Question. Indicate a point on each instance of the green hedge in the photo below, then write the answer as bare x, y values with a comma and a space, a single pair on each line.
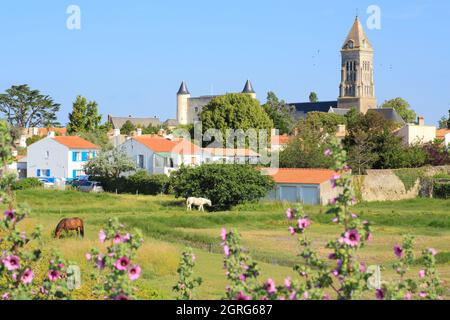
141, 182
442, 190
28, 183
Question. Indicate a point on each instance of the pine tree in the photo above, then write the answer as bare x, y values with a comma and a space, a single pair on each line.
77, 119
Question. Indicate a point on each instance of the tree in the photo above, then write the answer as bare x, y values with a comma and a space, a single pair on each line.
5, 145
444, 123
313, 97
361, 155
84, 116
25, 108
281, 114
127, 128
403, 108
328, 122
226, 185
109, 165
235, 111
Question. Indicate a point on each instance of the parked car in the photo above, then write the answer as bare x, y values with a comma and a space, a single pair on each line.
90, 186
47, 183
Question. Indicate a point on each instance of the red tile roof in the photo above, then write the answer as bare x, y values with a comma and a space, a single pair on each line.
303, 176
282, 140
74, 142
44, 131
441, 133
178, 146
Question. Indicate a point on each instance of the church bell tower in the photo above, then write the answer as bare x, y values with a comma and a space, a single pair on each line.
357, 87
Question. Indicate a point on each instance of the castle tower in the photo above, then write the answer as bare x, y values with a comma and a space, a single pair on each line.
357, 87
248, 89
183, 96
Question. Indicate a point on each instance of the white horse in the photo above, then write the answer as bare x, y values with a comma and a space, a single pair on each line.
198, 202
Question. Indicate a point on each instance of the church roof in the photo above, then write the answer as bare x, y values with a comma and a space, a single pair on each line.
248, 87
358, 37
389, 114
183, 89
303, 108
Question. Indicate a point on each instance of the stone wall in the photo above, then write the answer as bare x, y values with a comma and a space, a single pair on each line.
386, 185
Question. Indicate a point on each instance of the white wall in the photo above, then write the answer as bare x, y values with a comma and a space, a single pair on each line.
447, 140
57, 160
412, 134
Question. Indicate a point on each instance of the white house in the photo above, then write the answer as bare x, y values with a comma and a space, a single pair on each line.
444, 135
413, 133
59, 157
222, 155
159, 155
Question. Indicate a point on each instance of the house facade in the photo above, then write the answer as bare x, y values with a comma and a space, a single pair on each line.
59, 157
158, 155
417, 133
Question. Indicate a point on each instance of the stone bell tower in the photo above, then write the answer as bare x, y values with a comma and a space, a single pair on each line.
357, 87
183, 96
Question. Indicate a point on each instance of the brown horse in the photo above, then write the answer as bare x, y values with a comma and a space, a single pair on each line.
75, 224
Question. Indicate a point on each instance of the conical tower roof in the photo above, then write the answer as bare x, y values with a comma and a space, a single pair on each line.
183, 89
357, 38
248, 87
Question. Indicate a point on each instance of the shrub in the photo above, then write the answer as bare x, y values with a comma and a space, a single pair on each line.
226, 185
147, 184
442, 190
26, 184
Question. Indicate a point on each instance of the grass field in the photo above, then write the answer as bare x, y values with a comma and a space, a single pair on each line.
168, 229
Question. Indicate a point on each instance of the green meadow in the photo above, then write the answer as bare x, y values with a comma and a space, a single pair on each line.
168, 229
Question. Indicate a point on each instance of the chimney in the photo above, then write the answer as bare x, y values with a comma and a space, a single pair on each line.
116, 132
421, 121
139, 132
51, 134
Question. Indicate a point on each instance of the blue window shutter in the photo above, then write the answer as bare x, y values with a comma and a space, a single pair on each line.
39, 172
48, 173
74, 156
74, 174
84, 156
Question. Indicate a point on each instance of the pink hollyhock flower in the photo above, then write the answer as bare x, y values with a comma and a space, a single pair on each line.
61, 265
362, 268
333, 201
100, 262
223, 234
335, 220
369, 237
27, 276
118, 238
226, 250
304, 223
289, 214
334, 180
121, 297
433, 251
270, 286
291, 231
194, 258
306, 295
102, 236
293, 296
423, 294
242, 277
408, 296
242, 297
126, 237
398, 251
326, 297
14, 276
422, 274
54, 275
351, 238
288, 283
379, 294
5, 296
335, 273
10, 215
88, 257
328, 153
12, 263
122, 264
134, 273
354, 216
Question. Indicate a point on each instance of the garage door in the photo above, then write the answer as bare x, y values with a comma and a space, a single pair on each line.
310, 195
289, 194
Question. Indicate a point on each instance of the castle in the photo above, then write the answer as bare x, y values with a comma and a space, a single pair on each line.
189, 108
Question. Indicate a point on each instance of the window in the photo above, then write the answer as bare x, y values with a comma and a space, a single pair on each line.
47, 155
78, 173
140, 161
76, 156
351, 45
159, 162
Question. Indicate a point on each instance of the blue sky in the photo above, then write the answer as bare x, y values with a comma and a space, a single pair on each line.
130, 56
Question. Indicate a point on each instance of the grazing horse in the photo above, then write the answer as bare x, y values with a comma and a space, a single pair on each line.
198, 202
75, 224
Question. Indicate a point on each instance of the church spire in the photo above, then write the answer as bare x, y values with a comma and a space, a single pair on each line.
248, 87
357, 38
